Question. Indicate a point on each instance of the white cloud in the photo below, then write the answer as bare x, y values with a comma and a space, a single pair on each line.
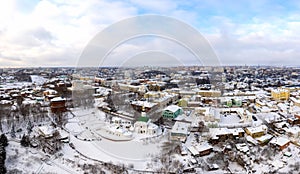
6, 13
53, 30
150, 50
156, 6
269, 43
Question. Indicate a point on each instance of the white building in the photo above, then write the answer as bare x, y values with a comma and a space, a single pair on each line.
180, 130
144, 126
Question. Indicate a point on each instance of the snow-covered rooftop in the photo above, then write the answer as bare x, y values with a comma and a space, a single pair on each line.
181, 127
143, 103
280, 141
242, 147
47, 131
172, 108
264, 138
203, 147
56, 99
261, 128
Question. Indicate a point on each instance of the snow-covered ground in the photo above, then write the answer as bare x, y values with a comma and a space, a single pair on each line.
88, 142
32, 160
229, 119
23, 159
126, 153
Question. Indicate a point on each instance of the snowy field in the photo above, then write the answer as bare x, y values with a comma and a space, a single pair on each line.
22, 160
230, 119
137, 152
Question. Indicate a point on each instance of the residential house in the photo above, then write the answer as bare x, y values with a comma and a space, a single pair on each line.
293, 132
220, 134
256, 131
180, 131
280, 142
204, 149
263, 140
183, 102
193, 151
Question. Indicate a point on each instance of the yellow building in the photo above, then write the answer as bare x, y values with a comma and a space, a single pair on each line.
209, 93
280, 94
256, 132
154, 94
183, 102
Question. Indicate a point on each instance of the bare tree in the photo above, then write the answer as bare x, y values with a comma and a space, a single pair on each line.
35, 111
13, 132
4, 114
25, 110
171, 147
60, 117
1, 116
201, 126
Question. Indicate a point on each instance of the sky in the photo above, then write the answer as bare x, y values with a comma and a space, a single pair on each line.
48, 33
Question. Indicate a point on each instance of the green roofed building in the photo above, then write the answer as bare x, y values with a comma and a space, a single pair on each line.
172, 111
143, 119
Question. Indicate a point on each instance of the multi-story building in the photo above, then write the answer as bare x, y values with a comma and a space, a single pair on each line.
256, 131
172, 111
58, 104
209, 93
280, 94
